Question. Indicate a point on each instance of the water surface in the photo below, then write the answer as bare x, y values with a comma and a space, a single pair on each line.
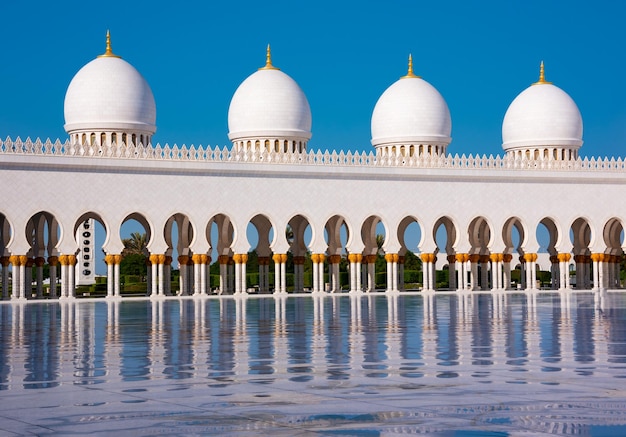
436, 364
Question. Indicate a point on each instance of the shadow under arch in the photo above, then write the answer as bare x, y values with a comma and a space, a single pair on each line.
220, 234
178, 244
450, 231
43, 234
410, 267
260, 250
548, 246
6, 234
297, 231
613, 234
338, 235
373, 248
88, 256
479, 236
580, 236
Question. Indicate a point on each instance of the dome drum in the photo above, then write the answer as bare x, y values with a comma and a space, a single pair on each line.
412, 148
282, 143
101, 137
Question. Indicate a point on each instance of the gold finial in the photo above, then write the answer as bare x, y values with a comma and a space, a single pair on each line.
410, 72
268, 60
108, 53
542, 77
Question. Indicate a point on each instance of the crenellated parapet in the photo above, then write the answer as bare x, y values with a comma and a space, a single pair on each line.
317, 158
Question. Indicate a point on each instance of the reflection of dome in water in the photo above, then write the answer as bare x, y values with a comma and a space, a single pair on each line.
109, 96
411, 112
543, 118
269, 106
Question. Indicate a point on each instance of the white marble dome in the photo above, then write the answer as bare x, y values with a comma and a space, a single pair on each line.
542, 115
269, 104
109, 94
411, 111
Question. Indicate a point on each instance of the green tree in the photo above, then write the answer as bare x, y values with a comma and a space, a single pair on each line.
133, 264
136, 244
412, 261
380, 240
133, 255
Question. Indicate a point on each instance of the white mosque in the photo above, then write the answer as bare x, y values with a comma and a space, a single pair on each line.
488, 208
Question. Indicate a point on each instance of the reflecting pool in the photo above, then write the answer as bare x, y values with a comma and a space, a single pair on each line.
444, 364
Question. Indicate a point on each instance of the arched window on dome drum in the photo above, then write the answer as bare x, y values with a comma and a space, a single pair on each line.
267, 145
276, 146
257, 145
84, 141
134, 139
124, 138
103, 139
92, 139
113, 138
141, 139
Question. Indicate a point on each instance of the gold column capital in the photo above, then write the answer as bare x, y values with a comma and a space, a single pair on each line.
335, 259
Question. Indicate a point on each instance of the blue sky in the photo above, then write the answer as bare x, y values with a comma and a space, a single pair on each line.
344, 54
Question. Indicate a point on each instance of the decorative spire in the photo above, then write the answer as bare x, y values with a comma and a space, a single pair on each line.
410, 71
108, 53
268, 60
542, 77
